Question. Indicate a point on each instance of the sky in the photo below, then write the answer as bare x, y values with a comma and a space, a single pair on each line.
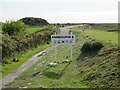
61, 11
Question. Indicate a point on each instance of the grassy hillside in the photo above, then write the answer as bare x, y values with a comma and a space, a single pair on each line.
102, 35
99, 70
31, 21
35, 39
94, 70
107, 27
40, 75
22, 57
32, 29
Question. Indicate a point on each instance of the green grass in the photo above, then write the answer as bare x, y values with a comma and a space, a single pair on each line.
22, 57
96, 70
32, 29
101, 35
51, 77
107, 27
83, 72
62, 76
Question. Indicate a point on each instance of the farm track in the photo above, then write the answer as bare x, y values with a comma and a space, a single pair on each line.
10, 77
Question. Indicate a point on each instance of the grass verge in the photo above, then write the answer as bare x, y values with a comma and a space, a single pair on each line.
102, 35
98, 70
22, 57
32, 29
84, 71
40, 75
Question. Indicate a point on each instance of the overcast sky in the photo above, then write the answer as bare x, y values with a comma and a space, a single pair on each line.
62, 11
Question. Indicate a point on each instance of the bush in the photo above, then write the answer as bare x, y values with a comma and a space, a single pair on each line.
13, 27
13, 44
91, 46
96, 46
86, 47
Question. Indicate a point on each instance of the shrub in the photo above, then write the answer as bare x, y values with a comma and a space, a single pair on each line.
91, 46
13, 27
13, 44
86, 47
96, 46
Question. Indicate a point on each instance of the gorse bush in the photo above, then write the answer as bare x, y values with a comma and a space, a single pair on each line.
13, 27
13, 44
91, 46
15, 40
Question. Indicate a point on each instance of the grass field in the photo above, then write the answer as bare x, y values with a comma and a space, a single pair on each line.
95, 69
22, 57
101, 35
107, 27
98, 34
90, 70
32, 29
64, 75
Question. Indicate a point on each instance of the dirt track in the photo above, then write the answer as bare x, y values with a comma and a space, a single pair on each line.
10, 77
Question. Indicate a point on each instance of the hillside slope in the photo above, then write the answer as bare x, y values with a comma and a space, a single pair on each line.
34, 21
108, 27
98, 70
94, 70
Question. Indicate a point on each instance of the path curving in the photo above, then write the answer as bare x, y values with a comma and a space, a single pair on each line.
10, 77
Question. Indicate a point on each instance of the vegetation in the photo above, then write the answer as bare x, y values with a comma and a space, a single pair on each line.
12, 45
0, 27
41, 75
95, 68
13, 27
22, 57
17, 43
102, 35
91, 47
32, 29
87, 70
31, 21
108, 27
0, 48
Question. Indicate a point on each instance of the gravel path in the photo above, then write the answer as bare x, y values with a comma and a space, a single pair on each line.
64, 31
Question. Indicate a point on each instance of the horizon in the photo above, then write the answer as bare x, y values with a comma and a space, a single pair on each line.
63, 22
54, 11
